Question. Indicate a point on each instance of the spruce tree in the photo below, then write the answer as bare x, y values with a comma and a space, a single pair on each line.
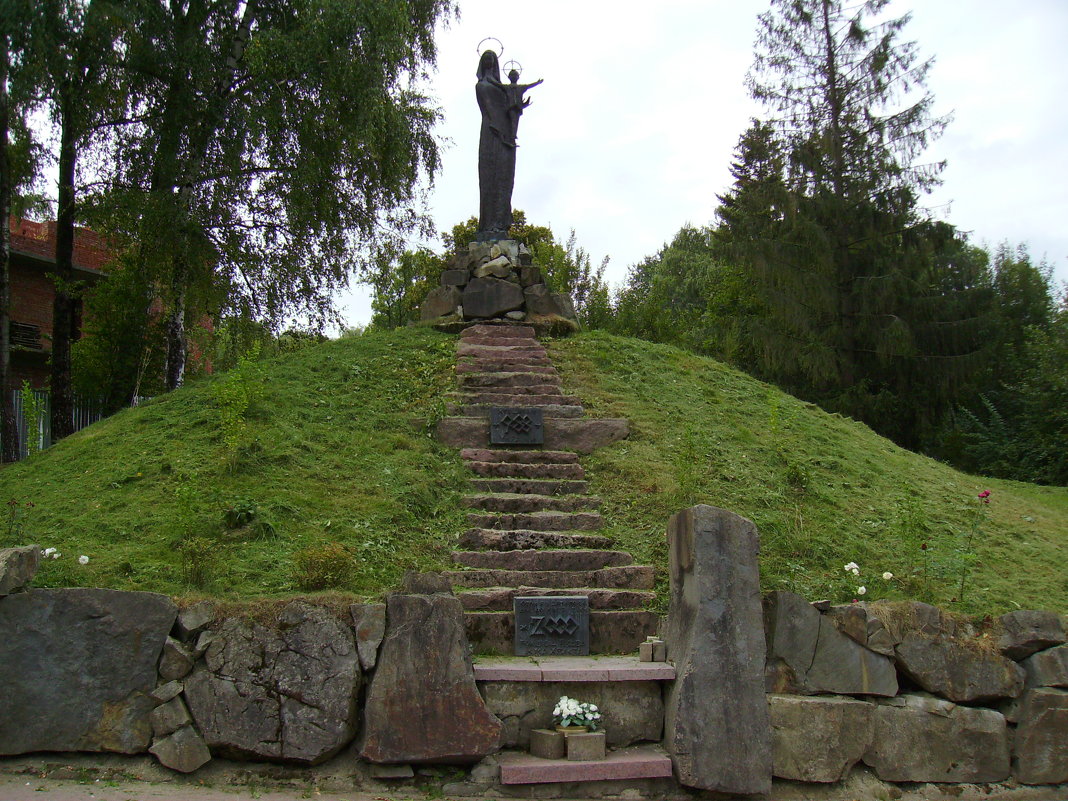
825, 214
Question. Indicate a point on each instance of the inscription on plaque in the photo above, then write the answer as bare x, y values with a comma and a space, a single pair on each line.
516, 426
557, 625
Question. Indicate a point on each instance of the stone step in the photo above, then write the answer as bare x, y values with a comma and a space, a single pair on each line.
545, 368
486, 410
499, 341
528, 457
533, 383
554, 560
538, 521
519, 539
498, 331
584, 434
525, 470
499, 599
532, 486
611, 631
532, 350
635, 762
492, 398
512, 502
628, 577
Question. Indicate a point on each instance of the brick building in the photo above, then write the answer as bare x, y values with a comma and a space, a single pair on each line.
33, 257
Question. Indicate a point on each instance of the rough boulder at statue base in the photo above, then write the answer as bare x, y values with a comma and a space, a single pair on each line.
490, 297
285, 693
715, 637
441, 302
76, 669
422, 703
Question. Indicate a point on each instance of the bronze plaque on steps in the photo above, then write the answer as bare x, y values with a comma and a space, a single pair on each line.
552, 625
516, 426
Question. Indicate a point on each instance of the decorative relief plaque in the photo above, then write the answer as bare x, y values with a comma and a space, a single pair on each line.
552, 625
516, 426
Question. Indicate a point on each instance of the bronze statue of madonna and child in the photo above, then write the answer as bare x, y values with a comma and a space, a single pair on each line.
501, 105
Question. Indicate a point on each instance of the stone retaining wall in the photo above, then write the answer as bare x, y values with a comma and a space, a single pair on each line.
911, 692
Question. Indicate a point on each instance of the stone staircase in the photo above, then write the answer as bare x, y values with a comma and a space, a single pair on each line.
532, 520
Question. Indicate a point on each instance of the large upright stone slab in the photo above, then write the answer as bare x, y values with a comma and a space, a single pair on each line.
286, 692
77, 667
422, 704
716, 724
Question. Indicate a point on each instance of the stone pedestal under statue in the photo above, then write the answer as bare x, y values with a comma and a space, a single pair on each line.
497, 281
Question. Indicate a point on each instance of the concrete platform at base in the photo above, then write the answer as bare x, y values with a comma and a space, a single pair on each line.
638, 762
571, 668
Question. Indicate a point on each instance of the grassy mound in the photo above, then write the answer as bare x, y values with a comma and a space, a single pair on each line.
315, 470
823, 490
301, 472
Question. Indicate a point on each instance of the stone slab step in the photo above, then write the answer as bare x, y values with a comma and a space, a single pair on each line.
479, 366
538, 521
628, 577
532, 382
499, 599
491, 398
498, 331
533, 486
611, 632
486, 409
584, 435
526, 470
497, 351
515, 502
519, 539
574, 559
636, 762
525, 456
570, 668
497, 342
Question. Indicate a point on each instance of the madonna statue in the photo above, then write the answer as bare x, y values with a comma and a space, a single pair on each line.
501, 105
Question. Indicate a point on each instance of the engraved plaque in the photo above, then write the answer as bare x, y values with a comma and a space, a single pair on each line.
516, 426
552, 625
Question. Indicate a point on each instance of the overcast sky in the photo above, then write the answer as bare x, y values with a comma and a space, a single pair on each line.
632, 133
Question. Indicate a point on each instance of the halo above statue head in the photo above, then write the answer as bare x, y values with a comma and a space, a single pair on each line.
513, 65
499, 50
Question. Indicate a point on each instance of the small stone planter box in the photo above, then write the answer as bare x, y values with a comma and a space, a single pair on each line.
547, 744
585, 746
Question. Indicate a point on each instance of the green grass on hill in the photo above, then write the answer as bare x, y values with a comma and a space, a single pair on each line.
331, 474
823, 490
335, 448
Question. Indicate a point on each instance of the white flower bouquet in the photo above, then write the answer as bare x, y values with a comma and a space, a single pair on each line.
569, 712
